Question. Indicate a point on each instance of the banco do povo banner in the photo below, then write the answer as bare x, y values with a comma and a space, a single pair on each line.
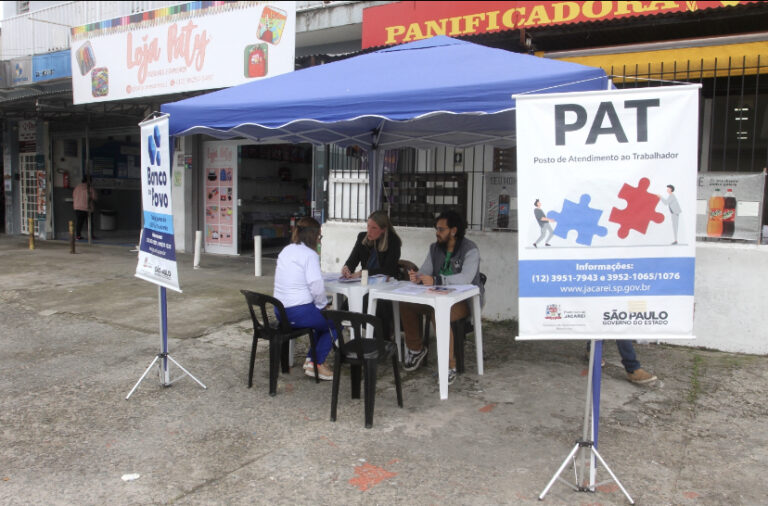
730, 206
607, 213
157, 251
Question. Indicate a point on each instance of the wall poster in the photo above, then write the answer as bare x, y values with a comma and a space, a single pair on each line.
730, 206
220, 196
500, 201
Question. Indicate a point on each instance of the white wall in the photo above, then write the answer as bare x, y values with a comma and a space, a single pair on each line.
731, 281
498, 259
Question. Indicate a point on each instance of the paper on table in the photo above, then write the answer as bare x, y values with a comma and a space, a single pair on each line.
410, 288
332, 276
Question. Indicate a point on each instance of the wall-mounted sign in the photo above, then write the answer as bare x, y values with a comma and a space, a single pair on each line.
27, 136
500, 209
729, 206
193, 46
20, 71
46, 67
399, 22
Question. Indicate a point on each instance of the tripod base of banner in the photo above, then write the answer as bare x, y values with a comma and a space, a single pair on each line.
589, 447
164, 373
586, 472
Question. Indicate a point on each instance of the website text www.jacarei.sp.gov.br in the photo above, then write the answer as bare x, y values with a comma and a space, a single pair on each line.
607, 289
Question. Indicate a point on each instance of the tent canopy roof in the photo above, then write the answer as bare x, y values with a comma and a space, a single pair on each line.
438, 91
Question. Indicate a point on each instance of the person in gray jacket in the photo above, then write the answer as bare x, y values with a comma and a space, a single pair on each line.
452, 260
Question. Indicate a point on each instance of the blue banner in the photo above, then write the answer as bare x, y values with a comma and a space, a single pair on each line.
158, 244
158, 222
608, 277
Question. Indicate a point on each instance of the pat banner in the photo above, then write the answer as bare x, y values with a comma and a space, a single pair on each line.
606, 193
157, 250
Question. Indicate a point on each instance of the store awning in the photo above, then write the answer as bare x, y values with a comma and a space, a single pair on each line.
678, 60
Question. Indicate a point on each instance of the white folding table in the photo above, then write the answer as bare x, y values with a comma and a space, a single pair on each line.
353, 290
405, 291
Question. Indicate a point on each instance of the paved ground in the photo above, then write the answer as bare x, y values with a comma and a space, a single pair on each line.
77, 331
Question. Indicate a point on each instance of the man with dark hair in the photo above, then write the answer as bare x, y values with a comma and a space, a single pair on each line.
452, 260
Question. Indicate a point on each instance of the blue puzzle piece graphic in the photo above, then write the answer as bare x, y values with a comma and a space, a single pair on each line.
579, 217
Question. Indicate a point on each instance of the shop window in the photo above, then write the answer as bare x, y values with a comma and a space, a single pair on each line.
273, 190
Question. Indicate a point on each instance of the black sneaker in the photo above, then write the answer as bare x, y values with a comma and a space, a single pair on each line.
413, 359
451, 376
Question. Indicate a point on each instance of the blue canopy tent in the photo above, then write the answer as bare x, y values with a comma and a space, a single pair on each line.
438, 91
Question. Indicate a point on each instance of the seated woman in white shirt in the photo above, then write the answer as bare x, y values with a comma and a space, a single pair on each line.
299, 286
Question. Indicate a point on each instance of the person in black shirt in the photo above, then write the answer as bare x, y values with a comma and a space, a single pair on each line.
376, 250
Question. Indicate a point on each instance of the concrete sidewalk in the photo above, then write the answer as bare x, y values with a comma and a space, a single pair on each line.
78, 330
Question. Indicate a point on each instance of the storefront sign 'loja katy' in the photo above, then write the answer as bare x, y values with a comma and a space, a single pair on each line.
183, 44
401, 22
186, 47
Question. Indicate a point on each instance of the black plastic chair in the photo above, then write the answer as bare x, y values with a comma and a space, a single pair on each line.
277, 332
363, 355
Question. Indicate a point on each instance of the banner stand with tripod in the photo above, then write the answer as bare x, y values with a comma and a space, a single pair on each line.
157, 246
163, 357
588, 442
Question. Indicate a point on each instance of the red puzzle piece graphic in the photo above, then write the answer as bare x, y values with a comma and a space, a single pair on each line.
640, 210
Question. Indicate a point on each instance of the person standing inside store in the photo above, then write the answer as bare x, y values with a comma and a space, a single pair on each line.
299, 286
452, 260
376, 250
83, 200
